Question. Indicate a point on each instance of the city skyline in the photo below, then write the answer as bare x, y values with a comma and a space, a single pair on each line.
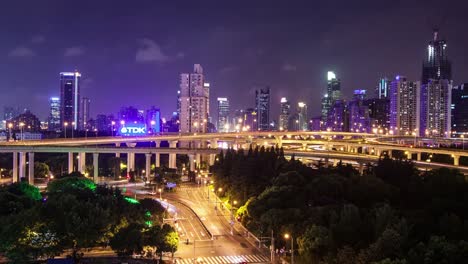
143, 67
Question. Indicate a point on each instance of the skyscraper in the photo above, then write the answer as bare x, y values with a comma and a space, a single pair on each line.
333, 94
436, 90
383, 88
262, 106
70, 99
223, 115
436, 65
302, 116
84, 109
357, 113
54, 114
194, 101
405, 97
460, 109
285, 112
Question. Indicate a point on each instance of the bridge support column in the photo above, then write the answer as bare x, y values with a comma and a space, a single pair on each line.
212, 158
335, 162
191, 162
361, 168
15, 167
418, 156
70, 162
22, 165
82, 162
130, 162
95, 167
172, 156
377, 152
279, 141
117, 154
214, 143
31, 168
147, 166
158, 155
456, 160
327, 163
304, 146
389, 153
409, 155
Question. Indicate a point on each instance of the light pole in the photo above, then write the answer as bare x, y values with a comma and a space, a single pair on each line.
21, 127
73, 128
232, 216
287, 236
463, 141
65, 125
96, 131
160, 191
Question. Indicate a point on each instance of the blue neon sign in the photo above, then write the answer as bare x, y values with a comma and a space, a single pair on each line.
133, 130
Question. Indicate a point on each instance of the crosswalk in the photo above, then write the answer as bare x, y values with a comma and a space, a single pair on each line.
226, 259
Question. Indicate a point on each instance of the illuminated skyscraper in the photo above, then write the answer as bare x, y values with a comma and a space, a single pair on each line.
405, 98
302, 116
70, 99
436, 90
84, 111
262, 106
54, 114
383, 88
285, 112
436, 65
333, 94
194, 101
223, 115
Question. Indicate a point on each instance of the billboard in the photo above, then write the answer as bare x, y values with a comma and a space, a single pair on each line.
133, 130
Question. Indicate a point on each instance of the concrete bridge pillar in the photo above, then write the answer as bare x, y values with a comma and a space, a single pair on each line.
361, 168
192, 162
327, 163
389, 153
456, 160
409, 155
214, 143
22, 165
158, 155
212, 159
82, 162
304, 146
70, 162
335, 162
279, 141
95, 167
172, 156
15, 167
147, 165
31, 168
377, 152
418, 156
130, 162
117, 154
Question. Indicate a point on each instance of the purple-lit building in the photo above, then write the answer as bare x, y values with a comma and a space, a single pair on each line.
153, 120
358, 113
404, 106
379, 112
337, 116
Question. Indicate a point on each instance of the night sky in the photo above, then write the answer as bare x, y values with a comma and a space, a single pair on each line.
132, 52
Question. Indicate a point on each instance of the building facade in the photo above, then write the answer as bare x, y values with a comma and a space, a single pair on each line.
302, 116
460, 109
405, 98
262, 106
54, 114
383, 88
285, 112
222, 123
153, 120
70, 99
333, 93
194, 101
84, 112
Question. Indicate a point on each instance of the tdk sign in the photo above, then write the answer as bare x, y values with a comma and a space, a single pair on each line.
133, 130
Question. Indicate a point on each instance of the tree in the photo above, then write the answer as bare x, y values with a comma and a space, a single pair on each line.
41, 170
315, 242
128, 240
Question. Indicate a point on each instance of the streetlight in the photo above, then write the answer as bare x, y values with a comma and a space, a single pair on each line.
21, 127
232, 216
96, 131
287, 236
160, 191
65, 125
